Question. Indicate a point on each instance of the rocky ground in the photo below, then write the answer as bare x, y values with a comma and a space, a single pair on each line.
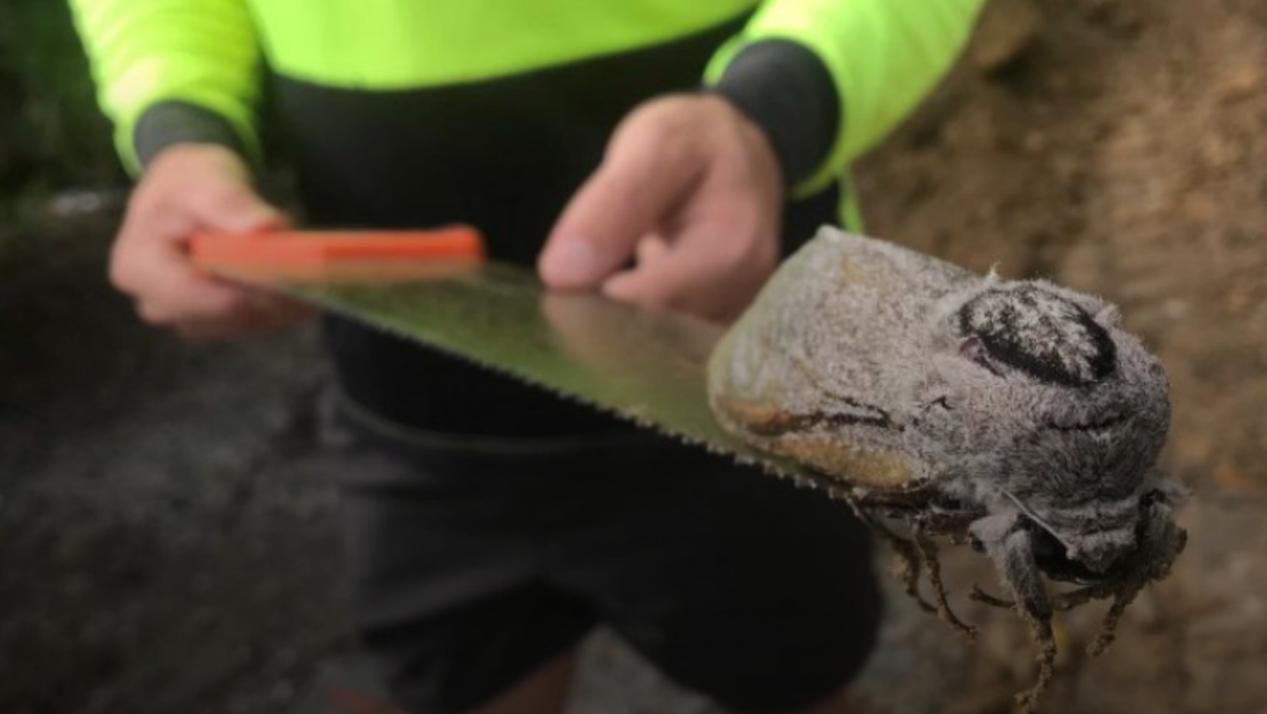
165, 525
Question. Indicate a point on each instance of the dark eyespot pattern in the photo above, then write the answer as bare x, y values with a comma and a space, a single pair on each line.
1041, 334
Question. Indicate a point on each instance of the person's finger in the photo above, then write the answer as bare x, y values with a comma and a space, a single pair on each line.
177, 293
273, 311
241, 323
234, 207
225, 327
149, 265
711, 266
652, 248
167, 286
642, 178
187, 190
203, 305
254, 312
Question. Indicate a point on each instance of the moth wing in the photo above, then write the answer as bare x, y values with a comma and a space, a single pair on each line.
844, 316
854, 462
831, 349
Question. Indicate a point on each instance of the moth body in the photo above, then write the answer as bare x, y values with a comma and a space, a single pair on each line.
1017, 415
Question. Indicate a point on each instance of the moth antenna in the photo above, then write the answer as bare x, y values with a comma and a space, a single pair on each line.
1034, 517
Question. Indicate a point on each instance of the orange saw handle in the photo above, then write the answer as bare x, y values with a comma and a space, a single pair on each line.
281, 250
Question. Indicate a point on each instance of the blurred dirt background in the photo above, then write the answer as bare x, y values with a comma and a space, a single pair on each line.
165, 524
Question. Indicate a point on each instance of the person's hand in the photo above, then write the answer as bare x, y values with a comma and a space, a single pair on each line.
692, 190
191, 187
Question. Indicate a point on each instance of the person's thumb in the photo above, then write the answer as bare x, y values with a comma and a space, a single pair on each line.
596, 234
236, 208
631, 193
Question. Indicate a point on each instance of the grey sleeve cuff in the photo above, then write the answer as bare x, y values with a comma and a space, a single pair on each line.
785, 89
173, 122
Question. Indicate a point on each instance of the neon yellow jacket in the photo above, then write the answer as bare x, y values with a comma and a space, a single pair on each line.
882, 55
406, 113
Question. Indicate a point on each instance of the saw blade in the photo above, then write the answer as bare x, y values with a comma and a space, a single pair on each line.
646, 366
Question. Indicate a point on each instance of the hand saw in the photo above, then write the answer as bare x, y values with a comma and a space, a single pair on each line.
437, 288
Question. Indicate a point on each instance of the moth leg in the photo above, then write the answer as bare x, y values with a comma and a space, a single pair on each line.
908, 557
1062, 602
928, 556
984, 597
1161, 542
1076, 598
1108, 626
951, 524
913, 499
1010, 545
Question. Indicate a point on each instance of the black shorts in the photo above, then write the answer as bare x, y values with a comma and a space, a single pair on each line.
473, 561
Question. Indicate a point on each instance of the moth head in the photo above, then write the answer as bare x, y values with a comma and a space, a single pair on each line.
1111, 540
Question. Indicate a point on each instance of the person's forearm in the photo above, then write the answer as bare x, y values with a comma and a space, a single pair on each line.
168, 123
786, 90
881, 56
172, 71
